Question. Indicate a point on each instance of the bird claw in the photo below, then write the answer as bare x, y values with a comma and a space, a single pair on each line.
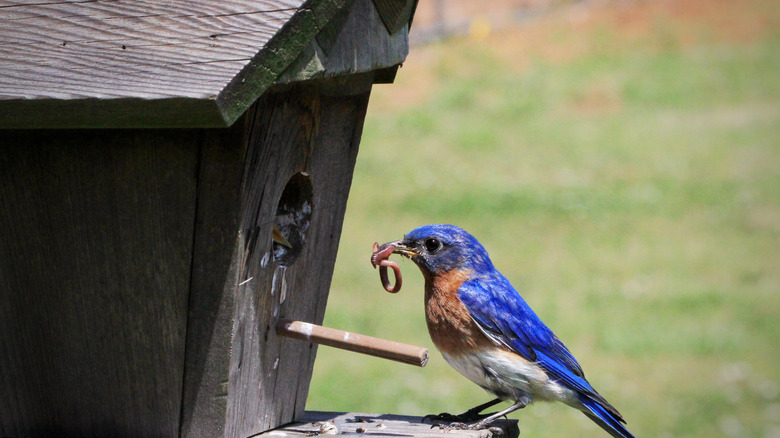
496, 431
466, 417
443, 417
446, 427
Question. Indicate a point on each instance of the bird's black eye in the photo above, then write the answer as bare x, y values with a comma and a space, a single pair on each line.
432, 244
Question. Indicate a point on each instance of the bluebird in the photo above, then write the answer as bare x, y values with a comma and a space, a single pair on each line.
486, 331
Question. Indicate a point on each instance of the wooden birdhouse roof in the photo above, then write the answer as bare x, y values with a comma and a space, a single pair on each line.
144, 63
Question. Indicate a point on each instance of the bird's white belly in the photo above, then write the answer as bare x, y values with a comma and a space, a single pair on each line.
510, 376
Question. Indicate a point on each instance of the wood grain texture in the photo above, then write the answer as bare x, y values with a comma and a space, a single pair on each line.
214, 280
314, 129
142, 63
223, 54
384, 425
395, 13
94, 278
137, 293
328, 34
140, 48
361, 45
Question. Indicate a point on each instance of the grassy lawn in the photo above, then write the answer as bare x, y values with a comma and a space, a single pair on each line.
621, 164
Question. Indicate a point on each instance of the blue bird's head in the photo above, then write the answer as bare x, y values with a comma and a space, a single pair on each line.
437, 249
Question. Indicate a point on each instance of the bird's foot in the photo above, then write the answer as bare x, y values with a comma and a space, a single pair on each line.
444, 417
467, 417
448, 426
496, 431
472, 419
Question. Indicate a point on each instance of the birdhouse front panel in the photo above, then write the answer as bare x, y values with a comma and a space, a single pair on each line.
301, 148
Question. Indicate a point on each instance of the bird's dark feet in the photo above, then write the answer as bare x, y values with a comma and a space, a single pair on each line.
442, 418
467, 417
472, 419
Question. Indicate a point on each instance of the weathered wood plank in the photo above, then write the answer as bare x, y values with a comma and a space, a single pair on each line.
379, 425
330, 31
94, 279
351, 53
111, 113
141, 49
342, 107
108, 231
217, 58
281, 138
214, 281
313, 129
395, 13
362, 45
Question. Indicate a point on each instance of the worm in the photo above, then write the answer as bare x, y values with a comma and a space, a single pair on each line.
380, 257
383, 265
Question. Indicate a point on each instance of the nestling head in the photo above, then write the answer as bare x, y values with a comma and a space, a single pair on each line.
441, 248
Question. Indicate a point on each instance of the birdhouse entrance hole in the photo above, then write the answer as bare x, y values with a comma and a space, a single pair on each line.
293, 215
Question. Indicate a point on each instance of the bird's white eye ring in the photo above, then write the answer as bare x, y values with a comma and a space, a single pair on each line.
432, 244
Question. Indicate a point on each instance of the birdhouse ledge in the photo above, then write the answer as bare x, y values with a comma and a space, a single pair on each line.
315, 423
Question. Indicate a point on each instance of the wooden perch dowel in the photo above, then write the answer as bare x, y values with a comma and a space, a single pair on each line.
383, 348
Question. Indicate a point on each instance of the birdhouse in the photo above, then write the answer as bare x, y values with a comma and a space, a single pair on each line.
173, 179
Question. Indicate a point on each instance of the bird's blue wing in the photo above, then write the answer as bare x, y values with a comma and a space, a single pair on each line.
504, 316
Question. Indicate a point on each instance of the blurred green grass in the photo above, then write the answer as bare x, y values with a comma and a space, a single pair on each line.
631, 193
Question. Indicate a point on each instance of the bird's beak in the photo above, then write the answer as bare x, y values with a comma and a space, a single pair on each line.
403, 247
383, 252
278, 238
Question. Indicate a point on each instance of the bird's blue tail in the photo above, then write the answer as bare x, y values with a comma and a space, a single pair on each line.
604, 418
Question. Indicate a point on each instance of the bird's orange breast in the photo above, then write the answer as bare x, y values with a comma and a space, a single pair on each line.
452, 329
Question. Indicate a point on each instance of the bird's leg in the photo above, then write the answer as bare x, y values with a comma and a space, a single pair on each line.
472, 414
519, 404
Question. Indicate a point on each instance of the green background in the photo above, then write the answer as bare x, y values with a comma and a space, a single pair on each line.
623, 171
